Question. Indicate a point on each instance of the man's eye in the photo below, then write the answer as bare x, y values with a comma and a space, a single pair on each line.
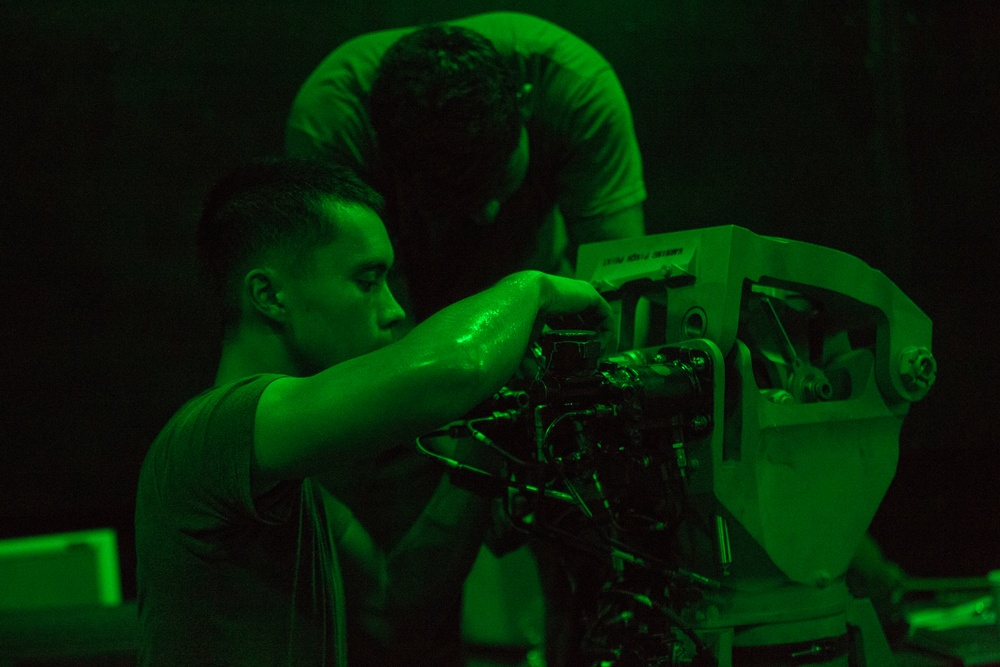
367, 283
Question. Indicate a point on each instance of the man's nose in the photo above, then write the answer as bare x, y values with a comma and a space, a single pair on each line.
392, 313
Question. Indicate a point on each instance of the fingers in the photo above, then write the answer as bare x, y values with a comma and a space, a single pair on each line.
569, 296
580, 300
606, 326
601, 320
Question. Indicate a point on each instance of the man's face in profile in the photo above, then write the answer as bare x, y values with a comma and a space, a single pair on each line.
340, 306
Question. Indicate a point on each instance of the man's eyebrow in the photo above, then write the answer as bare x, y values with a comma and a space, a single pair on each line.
378, 265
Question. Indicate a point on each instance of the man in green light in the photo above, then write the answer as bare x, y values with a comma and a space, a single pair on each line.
243, 554
500, 142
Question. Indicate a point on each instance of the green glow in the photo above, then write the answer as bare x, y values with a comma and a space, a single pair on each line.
60, 570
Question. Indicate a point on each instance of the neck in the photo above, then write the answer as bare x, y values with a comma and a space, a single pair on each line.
252, 352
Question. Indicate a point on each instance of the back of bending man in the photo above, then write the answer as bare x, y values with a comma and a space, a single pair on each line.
500, 141
240, 550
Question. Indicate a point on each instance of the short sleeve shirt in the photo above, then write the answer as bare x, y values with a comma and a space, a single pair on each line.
224, 579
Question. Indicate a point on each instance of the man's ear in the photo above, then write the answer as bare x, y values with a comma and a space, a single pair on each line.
262, 289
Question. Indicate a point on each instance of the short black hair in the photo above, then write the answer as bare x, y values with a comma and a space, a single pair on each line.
270, 204
445, 110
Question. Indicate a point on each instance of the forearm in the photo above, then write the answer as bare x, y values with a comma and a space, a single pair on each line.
439, 371
428, 567
490, 329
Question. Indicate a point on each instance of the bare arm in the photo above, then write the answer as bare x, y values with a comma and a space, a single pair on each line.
427, 570
437, 373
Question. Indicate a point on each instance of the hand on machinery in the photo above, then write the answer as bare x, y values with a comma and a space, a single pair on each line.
570, 303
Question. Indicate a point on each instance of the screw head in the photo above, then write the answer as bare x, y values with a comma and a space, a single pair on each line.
917, 370
699, 423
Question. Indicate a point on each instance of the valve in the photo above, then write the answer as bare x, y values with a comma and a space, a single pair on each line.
917, 370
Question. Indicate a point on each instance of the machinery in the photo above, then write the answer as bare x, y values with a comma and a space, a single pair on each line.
708, 483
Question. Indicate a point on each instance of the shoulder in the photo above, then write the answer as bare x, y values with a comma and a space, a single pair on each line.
328, 117
237, 397
202, 457
364, 51
219, 422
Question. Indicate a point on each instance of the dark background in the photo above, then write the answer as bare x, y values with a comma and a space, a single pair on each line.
868, 126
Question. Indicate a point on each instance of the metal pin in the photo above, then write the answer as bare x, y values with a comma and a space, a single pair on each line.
725, 549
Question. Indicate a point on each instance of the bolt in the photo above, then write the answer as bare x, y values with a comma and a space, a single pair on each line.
817, 389
917, 370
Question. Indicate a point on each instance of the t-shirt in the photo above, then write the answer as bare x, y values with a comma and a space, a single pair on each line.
583, 155
224, 579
